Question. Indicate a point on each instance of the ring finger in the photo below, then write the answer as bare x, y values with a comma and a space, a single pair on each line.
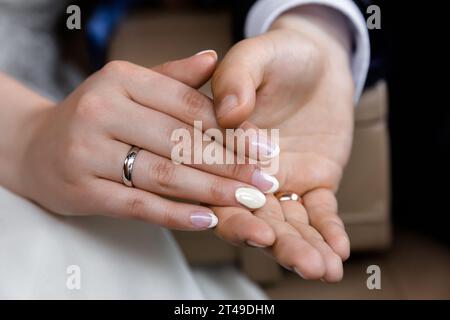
153, 131
160, 175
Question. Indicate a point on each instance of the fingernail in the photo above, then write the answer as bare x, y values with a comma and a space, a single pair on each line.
266, 149
265, 182
204, 220
226, 105
249, 197
254, 244
298, 272
210, 52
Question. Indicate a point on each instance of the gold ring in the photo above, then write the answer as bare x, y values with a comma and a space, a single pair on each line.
288, 196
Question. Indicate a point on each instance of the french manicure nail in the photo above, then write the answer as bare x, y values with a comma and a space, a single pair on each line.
226, 105
265, 182
251, 198
205, 51
298, 272
204, 220
210, 52
254, 244
266, 149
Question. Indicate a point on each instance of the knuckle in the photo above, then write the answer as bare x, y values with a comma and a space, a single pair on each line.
216, 191
169, 215
194, 102
333, 225
241, 171
272, 214
117, 68
135, 207
162, 173
299, 220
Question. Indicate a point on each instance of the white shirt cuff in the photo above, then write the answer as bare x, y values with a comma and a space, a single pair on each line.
264, 12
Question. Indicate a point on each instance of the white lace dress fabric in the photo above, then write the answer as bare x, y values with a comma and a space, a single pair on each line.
117, 259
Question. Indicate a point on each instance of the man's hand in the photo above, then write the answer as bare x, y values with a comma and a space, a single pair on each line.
296, 78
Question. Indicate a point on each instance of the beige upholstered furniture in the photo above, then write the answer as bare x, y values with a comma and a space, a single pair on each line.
151, 38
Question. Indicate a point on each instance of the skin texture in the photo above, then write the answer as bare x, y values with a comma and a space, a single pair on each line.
71, 160
296, 78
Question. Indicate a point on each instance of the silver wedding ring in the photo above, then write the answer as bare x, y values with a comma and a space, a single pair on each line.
288, 196
128, 166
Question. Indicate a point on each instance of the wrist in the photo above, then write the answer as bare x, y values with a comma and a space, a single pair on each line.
14, 160
34, 123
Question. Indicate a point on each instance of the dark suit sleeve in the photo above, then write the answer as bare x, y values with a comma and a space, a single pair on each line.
240, 9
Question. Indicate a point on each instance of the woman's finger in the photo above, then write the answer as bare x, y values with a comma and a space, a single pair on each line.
162, 176
159, 92
297, 217
193, 71
321, 206
143, 123
117, 200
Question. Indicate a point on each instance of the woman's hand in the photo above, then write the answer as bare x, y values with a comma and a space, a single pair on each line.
296, 78
73, 162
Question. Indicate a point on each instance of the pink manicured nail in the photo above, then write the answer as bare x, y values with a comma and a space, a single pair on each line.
254, 244
298, 272
204, 220
265, 182
266, 149
210, 53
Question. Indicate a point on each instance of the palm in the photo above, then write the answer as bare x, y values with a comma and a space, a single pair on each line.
313, 114
311, 104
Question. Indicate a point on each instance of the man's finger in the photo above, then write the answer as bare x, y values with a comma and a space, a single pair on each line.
240, 227
321, 206
236, 80
297, 217
290, 249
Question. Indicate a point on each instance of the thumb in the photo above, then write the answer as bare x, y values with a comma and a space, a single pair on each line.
235, 82
193, 71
